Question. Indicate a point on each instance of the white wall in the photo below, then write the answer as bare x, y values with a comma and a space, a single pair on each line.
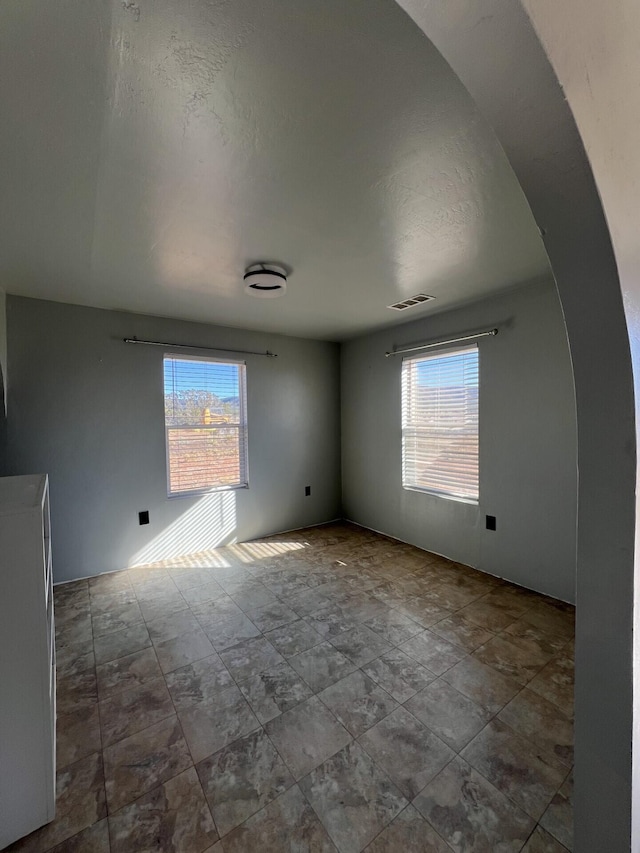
527, 443
88, 410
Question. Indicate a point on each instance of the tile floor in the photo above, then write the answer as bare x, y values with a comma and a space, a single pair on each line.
329, 689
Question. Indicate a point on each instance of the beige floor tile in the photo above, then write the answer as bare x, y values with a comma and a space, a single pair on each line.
526, 774
406, 750
286, 617
80, 802
288, 817
307, 735
242, 778
172, 818
470, 814
143, 761
133, 710
353, 798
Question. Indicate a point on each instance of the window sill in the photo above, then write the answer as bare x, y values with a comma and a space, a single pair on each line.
199, 493
444, 495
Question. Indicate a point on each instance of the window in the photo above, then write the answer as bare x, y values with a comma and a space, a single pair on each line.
440, 423
206, 424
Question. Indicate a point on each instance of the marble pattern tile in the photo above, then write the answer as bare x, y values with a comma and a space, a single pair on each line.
437, 654
541, 842
531, 716
551, 620
360, 645
212, 724
109, 582
453, 717
558, 818
210, 591
271, 616
306, 736
513, 661
242, 778
288, 817
357, 702
94, 839
226, 629
331, 620
116, 619
80, 802
126, 672
321, 665
134, 709
492, 615
459, 631
516, 767
422, 611
172, 626
555, 682
408, 833
76, 692
293, 638
71, 592
121, 643
74, 658
342, 581
307, 601
156, 584
160, 606
352, 797
198, 682
249, 595
393, 626
406, 750
77, 735
482, 684
139, 763
77, 629
527, 636
250, 657
274, 691
70, 612
186, 578
472, 815
398, 674
183, 650
172, 818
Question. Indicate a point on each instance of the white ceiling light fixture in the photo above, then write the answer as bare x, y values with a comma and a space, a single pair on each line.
265, 280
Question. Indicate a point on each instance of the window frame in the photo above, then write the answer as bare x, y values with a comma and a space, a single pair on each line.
242, 426
447, 350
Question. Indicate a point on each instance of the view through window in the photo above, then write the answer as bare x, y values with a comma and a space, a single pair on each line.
205, 423
440, 423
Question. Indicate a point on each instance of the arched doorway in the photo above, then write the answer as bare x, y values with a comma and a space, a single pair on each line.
495, 51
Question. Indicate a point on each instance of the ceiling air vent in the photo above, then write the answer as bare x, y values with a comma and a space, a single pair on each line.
418, 299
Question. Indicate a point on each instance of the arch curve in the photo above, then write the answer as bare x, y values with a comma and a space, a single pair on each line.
493, 48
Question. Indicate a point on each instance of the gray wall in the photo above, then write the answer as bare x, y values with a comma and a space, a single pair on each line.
3, 382
527, 443
88, 410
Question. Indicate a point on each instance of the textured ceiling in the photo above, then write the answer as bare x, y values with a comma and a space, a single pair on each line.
149, 151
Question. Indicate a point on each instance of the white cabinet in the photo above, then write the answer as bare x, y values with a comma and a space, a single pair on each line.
27, 659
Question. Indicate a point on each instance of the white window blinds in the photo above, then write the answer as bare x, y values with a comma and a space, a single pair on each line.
440, 423
205, 423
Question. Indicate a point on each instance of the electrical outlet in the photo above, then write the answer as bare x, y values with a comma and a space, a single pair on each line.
307, 491
491, 522
143, 517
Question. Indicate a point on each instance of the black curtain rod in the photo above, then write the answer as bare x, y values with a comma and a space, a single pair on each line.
191, 346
